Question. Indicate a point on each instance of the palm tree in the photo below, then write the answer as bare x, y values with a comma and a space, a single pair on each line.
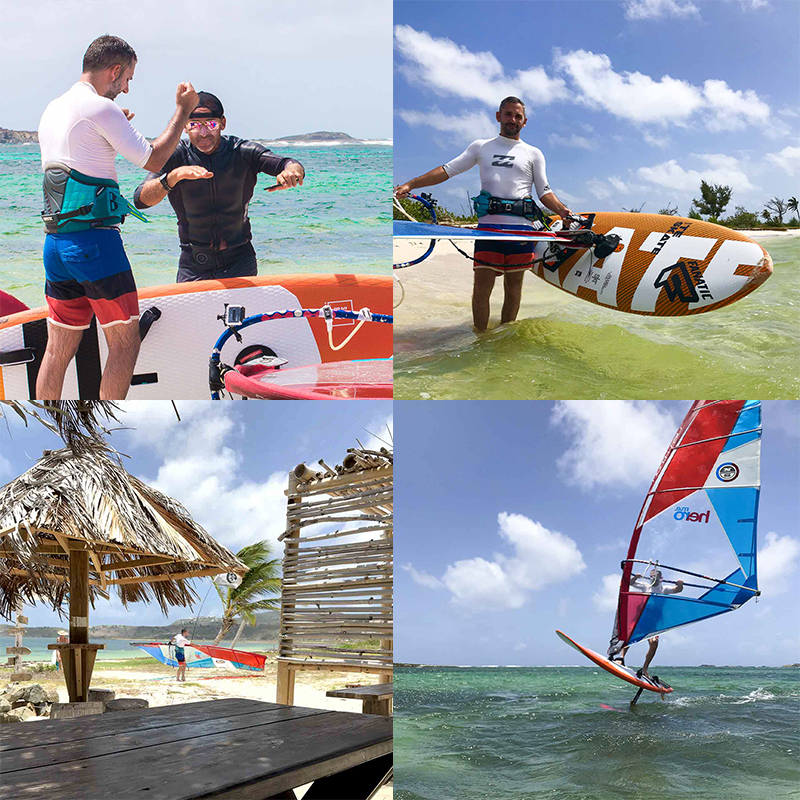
791, 205
80, 423
263, 578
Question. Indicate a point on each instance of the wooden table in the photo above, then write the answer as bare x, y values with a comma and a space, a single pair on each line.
377, 698
233, 749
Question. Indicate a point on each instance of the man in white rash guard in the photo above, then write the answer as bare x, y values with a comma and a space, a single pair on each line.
87, 271
509, 169
654, 584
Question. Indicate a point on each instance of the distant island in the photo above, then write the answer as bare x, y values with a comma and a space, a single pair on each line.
204, 628
18, 137
26, 137
318, 136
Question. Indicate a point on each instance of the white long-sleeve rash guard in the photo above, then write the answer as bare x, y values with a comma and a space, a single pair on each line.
509, 168
86, 131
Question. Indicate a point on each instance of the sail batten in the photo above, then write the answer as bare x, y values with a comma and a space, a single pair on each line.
700, 513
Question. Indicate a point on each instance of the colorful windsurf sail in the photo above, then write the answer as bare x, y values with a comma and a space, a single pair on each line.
698, 523
241, 659
204, 655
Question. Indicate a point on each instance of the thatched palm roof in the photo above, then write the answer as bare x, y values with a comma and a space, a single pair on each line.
140, 542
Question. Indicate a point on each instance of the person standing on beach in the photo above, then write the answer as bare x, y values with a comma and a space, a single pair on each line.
180, 654
510, 169
209, 181
87, 270
63, 638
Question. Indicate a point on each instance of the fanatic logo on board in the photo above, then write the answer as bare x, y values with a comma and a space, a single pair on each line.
684, 515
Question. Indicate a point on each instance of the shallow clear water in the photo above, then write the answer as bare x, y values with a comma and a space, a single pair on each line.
338, 221
726, 733
563, 347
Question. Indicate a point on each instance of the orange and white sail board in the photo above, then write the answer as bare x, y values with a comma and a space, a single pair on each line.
625, 673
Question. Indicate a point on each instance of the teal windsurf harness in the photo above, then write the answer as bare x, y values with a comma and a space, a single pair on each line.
77, 202
485, 204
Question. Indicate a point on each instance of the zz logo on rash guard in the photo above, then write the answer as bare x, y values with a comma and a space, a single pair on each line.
502, 161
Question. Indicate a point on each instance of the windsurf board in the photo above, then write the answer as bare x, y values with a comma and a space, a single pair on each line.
173, 360
616, 669
336, 380
667, 267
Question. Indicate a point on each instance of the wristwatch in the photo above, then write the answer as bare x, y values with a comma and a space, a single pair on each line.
163, 181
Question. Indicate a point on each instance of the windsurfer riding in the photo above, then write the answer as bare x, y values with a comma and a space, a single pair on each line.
652, 584
509, 169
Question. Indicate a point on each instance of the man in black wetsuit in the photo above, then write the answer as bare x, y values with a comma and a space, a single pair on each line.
209, 181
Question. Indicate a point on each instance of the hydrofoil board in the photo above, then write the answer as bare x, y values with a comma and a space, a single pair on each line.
619, 671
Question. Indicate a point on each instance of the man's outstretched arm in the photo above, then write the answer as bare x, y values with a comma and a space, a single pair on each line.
432, 178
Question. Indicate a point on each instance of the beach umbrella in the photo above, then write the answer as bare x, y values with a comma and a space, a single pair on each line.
77, 526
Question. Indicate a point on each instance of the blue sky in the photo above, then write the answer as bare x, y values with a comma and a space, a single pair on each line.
512, 516
279, 69
630, 101
228, 463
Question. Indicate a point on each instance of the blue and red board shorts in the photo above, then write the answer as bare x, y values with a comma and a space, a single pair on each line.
88, 274
503, 256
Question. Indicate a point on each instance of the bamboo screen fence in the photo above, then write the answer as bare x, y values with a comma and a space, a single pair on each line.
336, 601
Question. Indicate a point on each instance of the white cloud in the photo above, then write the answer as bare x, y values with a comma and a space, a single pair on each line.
618, 184
207, 476
733, 110
659, 9
380, 433
599, 189
641, 99
540, 557
722, 170
787, 159
469, 125
520, 646
629, 95
442, 66
675, 637
423, 578
656, 141
563, 607
578, 142
777, 563
613, 443
605, 598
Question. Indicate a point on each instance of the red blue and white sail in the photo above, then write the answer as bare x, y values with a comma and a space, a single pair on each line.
204, 655
697, 525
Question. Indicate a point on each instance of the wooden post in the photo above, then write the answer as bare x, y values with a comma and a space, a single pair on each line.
285, 694
285, 685
77, 657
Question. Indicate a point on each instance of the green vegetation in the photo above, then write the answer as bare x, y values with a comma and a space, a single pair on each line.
714, 200
711, 207
263, 578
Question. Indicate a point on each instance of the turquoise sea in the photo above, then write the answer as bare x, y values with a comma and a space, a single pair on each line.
338, 221
115, 649
563, 347
725, 733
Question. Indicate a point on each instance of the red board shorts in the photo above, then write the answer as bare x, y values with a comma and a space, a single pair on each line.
503, 256
88, 274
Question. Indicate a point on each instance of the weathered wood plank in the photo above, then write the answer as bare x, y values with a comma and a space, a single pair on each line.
52, 732
272, 758
66, 752
378, 691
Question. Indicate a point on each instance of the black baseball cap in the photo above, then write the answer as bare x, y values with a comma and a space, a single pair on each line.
209, 107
